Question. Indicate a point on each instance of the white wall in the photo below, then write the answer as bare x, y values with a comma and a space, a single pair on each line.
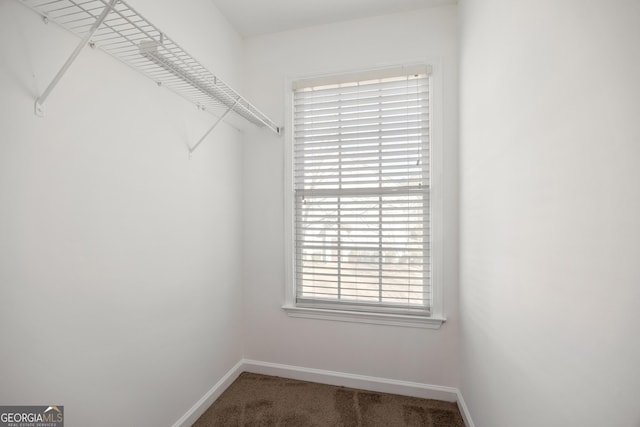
384, 351
120, 258
550, 212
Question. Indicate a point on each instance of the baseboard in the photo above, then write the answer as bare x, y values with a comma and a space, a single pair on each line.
205, 401
466, 416
381, 385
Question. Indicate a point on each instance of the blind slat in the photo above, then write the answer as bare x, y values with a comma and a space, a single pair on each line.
303, 124
377, 99
347, 129
342, 139
310, 90
389, 147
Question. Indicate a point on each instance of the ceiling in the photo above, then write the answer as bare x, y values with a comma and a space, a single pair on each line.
253, 17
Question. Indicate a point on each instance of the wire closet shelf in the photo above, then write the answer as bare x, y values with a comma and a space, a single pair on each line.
116, 28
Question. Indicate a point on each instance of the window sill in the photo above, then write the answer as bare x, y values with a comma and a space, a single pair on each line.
364, 317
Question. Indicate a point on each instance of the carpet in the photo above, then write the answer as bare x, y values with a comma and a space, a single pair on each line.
265, 401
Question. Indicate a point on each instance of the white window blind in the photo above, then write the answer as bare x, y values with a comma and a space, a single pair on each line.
362, 191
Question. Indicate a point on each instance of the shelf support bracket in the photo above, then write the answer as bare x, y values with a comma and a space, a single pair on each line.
231, 107
39, 106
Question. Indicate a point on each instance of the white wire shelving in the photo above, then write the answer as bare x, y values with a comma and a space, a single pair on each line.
116, 28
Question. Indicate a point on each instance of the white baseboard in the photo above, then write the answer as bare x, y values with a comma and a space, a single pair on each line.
466, 416
207, 400
381, 385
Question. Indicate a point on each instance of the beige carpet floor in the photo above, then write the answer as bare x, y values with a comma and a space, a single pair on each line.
260, 400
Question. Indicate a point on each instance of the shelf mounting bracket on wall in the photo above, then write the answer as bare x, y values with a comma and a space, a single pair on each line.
39, 106
192, 149
117, 29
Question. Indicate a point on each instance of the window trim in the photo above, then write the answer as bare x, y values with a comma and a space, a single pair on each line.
437, 317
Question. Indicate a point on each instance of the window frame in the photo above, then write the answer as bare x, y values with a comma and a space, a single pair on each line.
436, 318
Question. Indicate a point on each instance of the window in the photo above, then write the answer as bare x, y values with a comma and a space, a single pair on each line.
361, 197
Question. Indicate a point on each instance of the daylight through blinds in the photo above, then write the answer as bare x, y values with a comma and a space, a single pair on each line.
361, 183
